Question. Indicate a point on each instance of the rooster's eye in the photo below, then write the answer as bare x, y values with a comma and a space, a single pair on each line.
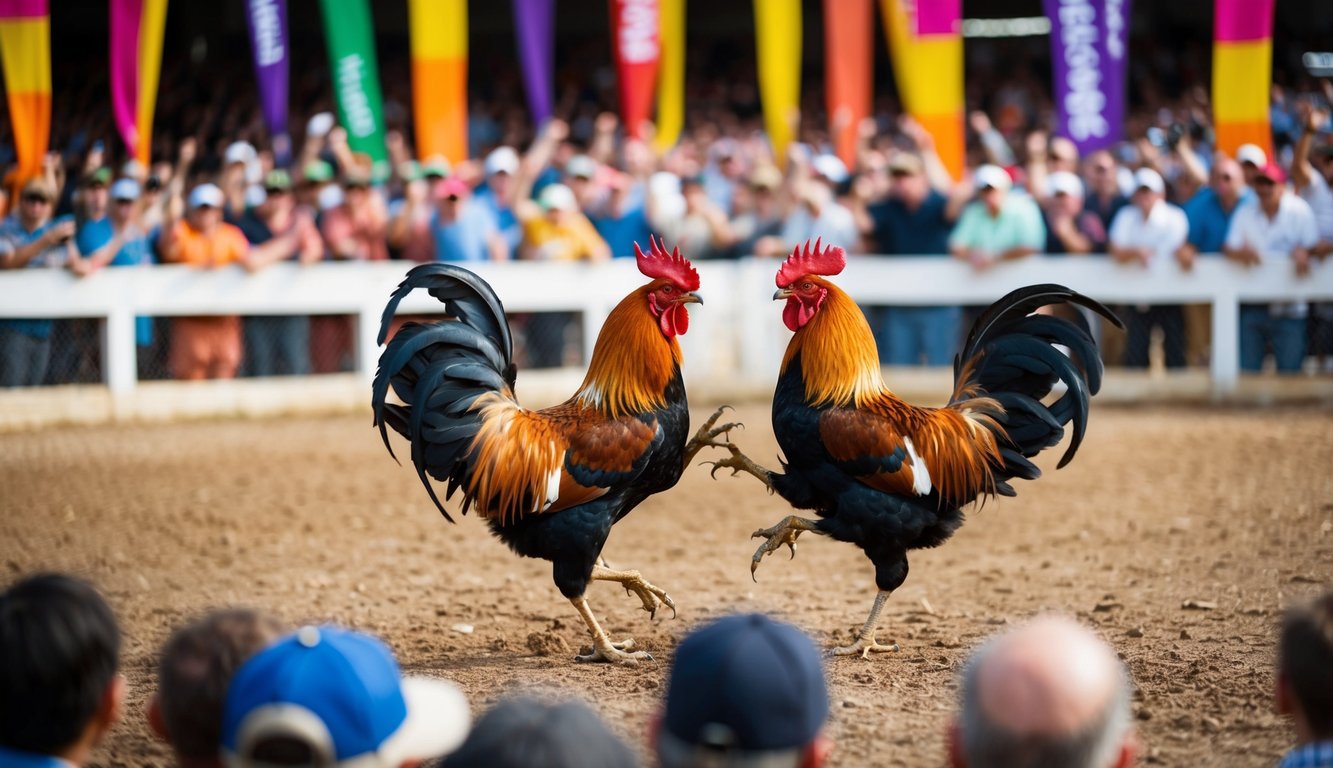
806, 286
667, 289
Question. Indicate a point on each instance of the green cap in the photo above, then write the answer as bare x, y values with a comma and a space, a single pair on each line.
435, 166
317, 171
277, 179
101, 176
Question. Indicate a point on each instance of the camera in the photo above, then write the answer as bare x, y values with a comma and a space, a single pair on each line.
153, 184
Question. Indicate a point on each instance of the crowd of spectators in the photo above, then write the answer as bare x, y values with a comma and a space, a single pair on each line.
238, 687
579, 188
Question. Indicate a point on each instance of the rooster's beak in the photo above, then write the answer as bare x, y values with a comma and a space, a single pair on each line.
690, 298
782, 293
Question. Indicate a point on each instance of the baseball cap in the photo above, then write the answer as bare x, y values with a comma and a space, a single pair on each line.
39, 187
992, 176
238, 152
524, 732
206, 195
766, 177
581, 167
277, 179
1064, 183
339, 693
831, 168
746, 683
1252, 153
356, 176
906, 164
435, 166
1273, 172
557, 197
125, 189
1147, 178
99, 177
318, 171
452, 187
501, 160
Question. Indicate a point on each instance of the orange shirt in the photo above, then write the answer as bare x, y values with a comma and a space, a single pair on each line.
225, 245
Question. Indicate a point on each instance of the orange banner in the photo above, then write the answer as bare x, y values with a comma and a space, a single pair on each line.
848, 51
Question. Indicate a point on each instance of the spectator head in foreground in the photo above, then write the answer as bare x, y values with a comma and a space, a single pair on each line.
745, 690
197, 664
1305, 680
328, 697
528, 733
59, 688
1048, 694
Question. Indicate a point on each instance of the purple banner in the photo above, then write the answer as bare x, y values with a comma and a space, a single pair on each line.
267, 20
536, 51
1088, 58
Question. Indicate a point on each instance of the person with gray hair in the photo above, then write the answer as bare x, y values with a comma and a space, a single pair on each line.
1050, 694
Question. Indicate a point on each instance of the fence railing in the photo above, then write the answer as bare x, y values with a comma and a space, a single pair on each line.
737, 333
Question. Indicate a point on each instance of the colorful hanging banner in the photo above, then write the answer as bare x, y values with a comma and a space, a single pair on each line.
137, 27
1242, 73
670, 74
350, 34
926, 47
848, 51
778, 46
25, 53
535, 35
438, 31
636, 48
1088, 57
267, 22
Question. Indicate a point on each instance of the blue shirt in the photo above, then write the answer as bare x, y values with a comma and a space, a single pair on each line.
12, 237
464, 239
136, 251
900, 231
13, 758
622, 232
1317, 754
1208, 222
501, 218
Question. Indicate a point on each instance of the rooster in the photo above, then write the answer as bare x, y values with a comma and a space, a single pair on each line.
550, 483
889, 476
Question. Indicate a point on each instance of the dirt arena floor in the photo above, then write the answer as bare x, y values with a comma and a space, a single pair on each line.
1164, 509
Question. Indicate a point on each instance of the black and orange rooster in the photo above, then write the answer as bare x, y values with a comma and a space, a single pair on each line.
892, 477
552, 482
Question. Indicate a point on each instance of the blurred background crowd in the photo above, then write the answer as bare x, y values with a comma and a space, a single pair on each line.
578, 187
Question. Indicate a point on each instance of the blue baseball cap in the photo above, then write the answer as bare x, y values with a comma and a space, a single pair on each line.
339, 693
746, 683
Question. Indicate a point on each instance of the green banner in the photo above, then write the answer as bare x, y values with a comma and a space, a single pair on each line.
356, 78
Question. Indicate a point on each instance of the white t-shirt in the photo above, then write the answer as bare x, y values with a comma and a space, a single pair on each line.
1274, 239
1163, 231
1320, 198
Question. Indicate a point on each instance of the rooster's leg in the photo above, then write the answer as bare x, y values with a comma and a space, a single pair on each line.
865, 639
739, 462
705, 437
652, 597
784, 532
602, 647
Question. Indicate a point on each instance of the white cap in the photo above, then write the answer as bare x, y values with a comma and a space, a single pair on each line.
1064, 183
1147, 178
319, 124
581, 166
255, 195
331, 196
125, 189
206, 194
502, 160
557, 197
1252, 153
238, 152
992, 176
830, 167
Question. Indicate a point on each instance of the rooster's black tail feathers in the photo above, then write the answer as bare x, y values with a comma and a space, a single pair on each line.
438, 370
1010, 357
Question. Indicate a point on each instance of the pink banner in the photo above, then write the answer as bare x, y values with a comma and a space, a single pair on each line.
1242, 21
125, 23
937, 17
22, 9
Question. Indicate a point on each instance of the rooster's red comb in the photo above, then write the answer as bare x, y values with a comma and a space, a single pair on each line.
811, 260
668, 266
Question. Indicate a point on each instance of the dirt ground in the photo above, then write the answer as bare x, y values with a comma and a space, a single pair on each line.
312, 520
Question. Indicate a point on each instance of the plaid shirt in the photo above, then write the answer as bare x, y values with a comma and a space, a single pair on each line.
1317, 754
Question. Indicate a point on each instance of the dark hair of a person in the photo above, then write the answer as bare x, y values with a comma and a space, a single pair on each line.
1305, 659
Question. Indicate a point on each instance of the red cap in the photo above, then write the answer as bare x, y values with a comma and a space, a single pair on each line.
450, 187
1273, 172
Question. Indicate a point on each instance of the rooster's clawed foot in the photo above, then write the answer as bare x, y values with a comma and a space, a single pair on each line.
784, 532
707, 435
615, 653
862, 648
738, 462
651, 596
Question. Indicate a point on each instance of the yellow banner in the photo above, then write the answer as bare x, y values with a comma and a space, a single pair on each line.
25, 53
152, 24
778, 45
929, 73
670, 74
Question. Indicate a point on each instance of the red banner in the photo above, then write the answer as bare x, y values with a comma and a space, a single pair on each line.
635, 38
848, 49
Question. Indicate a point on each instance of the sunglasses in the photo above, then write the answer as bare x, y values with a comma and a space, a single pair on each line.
1263, 182
35, 199
124, 201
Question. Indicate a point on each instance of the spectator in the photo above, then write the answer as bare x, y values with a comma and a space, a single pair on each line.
410, 217
1253, 160
758, 226
743, 691
356, 229
1313, 181
461, 231
497, 197
1070, 227
818, 213
279, 230
196, 666
204, 347
1105, 198
1209, 211
30, 237
998, 226
528, 733
1305, 682
1147, 234
1049, 694
59, 688
333, 697
1276, 226
619, 215
915, 220
701, 229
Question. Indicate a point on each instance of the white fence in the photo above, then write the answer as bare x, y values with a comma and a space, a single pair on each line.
738, 333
